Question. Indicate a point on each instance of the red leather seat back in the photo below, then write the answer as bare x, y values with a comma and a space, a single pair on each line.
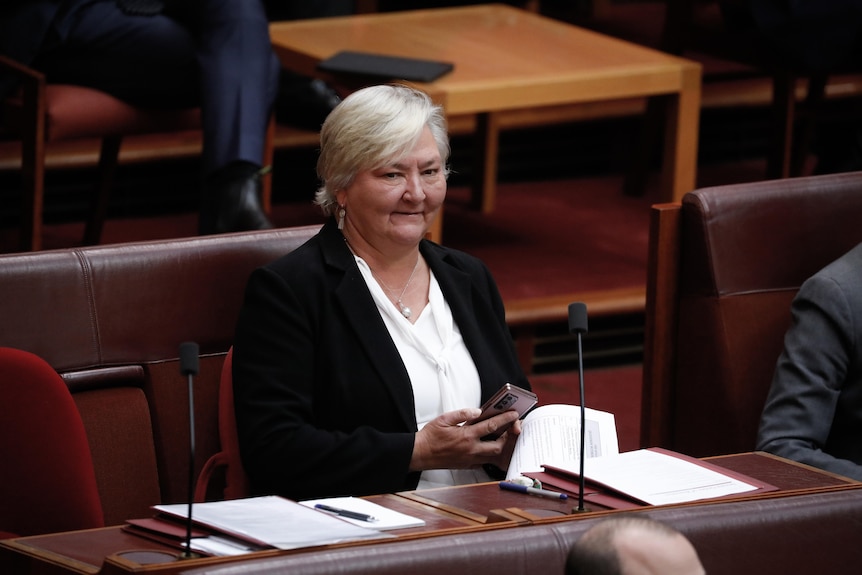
78, 112
110, 320
236, 481
73, 112
745, 250
47, 481
223, 476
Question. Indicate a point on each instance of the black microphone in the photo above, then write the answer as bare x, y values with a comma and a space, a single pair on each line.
578, 325
189, 366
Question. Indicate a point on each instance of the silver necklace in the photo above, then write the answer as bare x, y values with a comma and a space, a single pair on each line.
405, 310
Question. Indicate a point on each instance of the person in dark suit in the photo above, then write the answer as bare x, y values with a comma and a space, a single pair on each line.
813, 413
359, 356
305, 102
633, 545
215, 54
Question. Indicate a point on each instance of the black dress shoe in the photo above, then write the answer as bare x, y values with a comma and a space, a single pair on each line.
233, 205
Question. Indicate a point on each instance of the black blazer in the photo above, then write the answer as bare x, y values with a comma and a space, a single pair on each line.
324, 404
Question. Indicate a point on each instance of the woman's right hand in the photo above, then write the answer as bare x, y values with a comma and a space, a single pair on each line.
447, 442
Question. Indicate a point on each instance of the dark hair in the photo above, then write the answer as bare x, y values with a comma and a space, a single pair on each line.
595, 553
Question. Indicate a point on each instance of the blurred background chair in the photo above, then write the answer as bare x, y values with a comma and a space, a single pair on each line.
47, 480
223, 475
736, 55
40, 113
725, 29
723, 268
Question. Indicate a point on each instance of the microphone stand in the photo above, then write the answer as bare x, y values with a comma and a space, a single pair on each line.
189, 366
578, 325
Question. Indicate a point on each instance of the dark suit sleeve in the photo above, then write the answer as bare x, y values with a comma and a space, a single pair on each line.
311, 419
803, 410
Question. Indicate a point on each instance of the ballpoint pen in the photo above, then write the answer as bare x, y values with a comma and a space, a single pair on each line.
532, 490
346, 513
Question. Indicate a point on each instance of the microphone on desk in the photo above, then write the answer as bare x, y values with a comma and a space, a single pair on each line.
189, 366
578, 325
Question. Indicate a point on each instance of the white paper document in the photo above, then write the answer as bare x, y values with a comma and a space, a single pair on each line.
551, 436
274, 521
222, 546
385, 518
659, 479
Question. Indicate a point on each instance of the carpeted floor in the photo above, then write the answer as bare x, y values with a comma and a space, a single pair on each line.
574, 234
571, 235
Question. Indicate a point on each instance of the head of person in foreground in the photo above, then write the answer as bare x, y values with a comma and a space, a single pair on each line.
633, 545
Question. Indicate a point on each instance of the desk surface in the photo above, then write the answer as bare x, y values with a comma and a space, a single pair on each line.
504, 57
446, 511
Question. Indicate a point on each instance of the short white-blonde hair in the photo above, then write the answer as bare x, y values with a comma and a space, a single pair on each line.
373, 127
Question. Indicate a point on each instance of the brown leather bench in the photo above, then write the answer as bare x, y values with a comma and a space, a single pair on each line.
804, 534
723, 269
110, 319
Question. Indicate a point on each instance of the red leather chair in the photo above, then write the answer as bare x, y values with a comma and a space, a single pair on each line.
227, 461
40, 113
47, 481
723, 268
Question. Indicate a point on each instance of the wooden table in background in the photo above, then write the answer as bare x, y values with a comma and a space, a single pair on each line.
510, 59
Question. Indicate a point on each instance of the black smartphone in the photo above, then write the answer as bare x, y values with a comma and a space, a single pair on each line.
509, 397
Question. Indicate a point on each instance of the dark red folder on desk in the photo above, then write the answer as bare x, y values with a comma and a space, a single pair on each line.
563, 480
606, 496
164, 531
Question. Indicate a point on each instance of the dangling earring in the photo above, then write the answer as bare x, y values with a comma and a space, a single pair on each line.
341, 213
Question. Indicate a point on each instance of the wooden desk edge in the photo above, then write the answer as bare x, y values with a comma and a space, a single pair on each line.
848, 480
452, 509
21, 553
761, 496
42, 561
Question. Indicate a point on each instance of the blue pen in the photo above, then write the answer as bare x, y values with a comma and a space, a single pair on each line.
532, 490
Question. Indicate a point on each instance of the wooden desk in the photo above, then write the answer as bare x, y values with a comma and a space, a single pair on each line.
510, 59
446, 511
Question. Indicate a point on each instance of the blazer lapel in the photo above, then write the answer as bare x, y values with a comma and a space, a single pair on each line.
456, 286
361, 312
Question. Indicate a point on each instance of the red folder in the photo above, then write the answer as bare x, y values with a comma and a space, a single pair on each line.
164, 531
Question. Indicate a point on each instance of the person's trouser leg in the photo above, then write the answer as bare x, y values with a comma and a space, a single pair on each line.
215, 54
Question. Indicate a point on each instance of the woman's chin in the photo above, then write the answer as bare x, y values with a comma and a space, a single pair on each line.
410, 226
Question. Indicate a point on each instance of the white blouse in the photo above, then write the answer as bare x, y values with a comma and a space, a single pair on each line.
441, 369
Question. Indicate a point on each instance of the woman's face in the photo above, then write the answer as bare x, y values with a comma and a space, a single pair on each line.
396, 203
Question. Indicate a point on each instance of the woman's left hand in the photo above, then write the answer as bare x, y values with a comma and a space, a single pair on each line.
447, 443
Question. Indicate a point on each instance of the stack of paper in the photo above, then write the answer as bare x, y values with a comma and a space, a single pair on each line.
384, 518
551, 435
548, 449
272, 521
659, 477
